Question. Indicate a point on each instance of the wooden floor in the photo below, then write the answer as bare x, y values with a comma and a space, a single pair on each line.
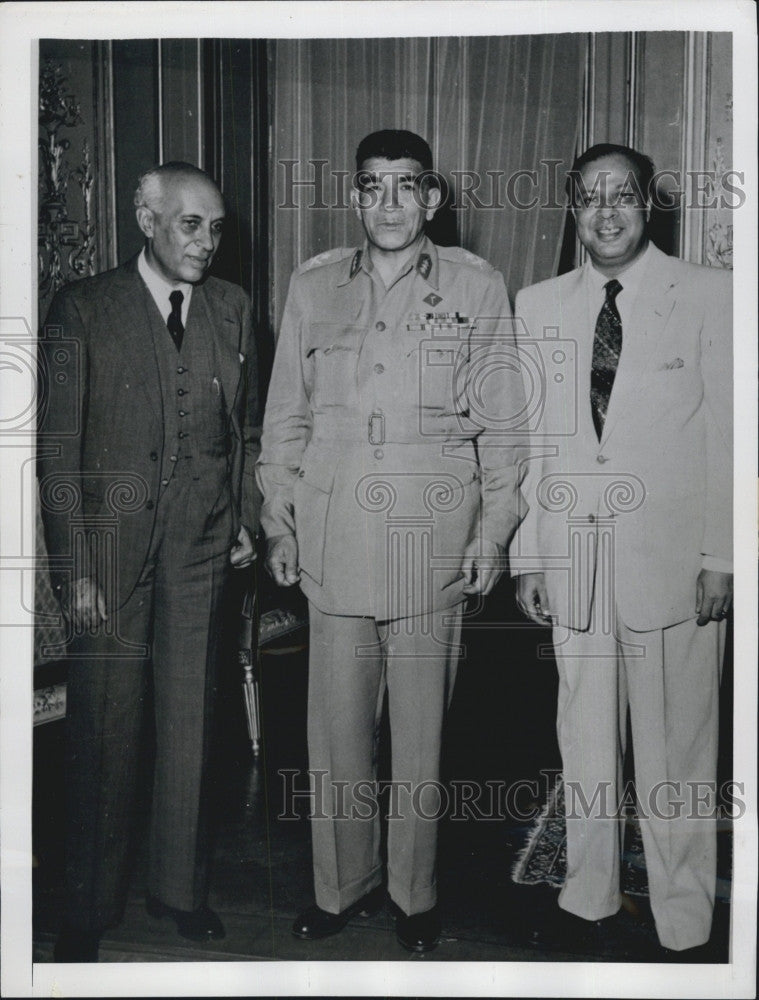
500, 727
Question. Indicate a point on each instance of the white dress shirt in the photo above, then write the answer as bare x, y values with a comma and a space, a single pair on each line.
161, 289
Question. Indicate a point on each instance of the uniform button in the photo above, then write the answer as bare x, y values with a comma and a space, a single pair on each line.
591, 518
154, 456
379, 453
172, 458
181, 370
183, 413
150, 505
601, 459
301, 474
180, 392
164, 482
379, 326
379, 369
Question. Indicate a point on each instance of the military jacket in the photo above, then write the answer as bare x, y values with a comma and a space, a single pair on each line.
391, 434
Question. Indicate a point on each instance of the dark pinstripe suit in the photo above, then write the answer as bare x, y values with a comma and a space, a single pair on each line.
157, 468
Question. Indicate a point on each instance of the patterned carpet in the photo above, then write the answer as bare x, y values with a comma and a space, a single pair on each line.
543, 859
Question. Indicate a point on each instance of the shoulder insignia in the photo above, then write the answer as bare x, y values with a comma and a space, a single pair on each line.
327, 257
459, 255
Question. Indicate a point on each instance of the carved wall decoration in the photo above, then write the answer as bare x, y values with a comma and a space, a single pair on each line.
66, 245
719, 235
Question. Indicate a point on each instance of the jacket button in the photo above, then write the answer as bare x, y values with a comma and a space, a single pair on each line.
379, 453
180, 392
380, 326
379, 369
150, 505
154, 456
601, 459
591, 518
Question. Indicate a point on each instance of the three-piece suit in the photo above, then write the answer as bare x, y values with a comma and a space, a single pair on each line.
145, 466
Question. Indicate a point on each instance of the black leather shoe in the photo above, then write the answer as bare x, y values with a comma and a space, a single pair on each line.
195, 925
561, 930
420, 931
702, 954
315, 923
76, 946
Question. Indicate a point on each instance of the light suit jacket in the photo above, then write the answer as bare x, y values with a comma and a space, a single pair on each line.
101, 410
631, 518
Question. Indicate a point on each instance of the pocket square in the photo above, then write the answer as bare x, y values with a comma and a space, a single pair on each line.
676, 363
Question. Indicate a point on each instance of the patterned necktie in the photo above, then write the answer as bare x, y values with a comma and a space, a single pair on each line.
607, 347
174, 322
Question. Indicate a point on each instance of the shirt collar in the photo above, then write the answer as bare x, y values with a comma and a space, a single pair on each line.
159, 288
426, 263
629, 279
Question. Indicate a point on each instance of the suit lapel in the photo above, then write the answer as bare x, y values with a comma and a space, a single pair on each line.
576, 322
651, 310
223, 331
126, 310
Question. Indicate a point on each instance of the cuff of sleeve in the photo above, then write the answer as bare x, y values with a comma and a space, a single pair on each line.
718, 565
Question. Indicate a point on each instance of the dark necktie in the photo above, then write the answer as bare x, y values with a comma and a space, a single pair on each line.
607, 347
174, 322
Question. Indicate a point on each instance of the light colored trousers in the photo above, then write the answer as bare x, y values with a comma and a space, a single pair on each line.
352, 661
670, 680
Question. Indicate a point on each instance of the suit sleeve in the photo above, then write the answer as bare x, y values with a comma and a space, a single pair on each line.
251, 426
717, 375
288, 422
496, 401
62, 393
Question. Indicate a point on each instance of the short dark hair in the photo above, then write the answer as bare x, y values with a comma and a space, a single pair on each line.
394, 144
642, 165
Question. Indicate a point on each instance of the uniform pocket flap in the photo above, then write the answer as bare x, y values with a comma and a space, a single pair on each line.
318, 470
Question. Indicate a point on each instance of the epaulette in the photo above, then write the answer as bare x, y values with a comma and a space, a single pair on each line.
328, 257
458, 255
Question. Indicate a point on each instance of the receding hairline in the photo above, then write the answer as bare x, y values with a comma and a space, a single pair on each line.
152, 186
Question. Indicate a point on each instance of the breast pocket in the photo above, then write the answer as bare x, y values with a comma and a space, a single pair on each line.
333, 358
436, 375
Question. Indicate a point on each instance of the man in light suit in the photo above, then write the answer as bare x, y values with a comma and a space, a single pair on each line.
145, 461
389, 476
627, 545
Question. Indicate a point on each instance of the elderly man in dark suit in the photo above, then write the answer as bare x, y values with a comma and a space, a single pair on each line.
146, 455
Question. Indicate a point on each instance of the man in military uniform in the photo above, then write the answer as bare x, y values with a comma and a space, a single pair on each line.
390, 480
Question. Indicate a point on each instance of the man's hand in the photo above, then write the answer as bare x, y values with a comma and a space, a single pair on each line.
243, 552
482, 565
83, 603
714, 595
532, 598
282, 559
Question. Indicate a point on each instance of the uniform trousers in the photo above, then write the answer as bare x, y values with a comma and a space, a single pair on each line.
670, 680
168, 623
352, 661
